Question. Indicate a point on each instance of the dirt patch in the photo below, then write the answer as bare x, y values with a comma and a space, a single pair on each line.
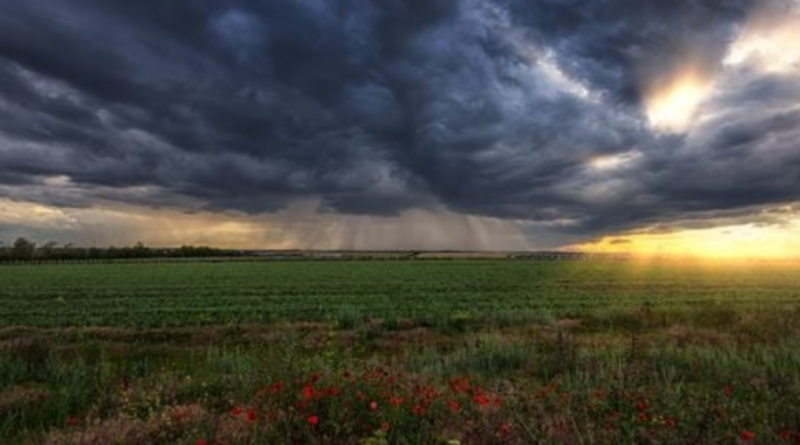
682, 336
17, 397
169, 424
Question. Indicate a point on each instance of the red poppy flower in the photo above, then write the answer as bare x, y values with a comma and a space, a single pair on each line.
454, 406
236, 412
251, 415
418, 410
395, 401
373, 405
276, 387
669, 422
747, 436
481, 400
202, 442
313, 420
308, 392
504, 430
459, 384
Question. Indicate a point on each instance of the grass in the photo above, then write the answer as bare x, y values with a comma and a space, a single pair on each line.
399, 352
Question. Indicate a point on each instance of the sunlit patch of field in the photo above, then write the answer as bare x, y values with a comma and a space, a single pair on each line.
400, 352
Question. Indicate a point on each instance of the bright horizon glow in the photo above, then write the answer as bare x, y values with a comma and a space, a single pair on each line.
745, 241
726, 242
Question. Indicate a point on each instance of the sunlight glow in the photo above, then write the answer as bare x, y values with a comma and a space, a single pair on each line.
673, 107
745, 241
613, 162
772, 46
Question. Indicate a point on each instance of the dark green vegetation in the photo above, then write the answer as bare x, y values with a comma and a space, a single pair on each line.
555, 353
25, 250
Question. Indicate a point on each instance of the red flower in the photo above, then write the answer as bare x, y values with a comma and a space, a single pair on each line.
373, 405
202, 442
481, 400
236, 412
784, 434
669, 422
308, 392
747, 435
313, 420
251, 415
454, 406
395, 401
276, 387
641, 406
428, 392
418, 410
642, 417
459, 384
503, 430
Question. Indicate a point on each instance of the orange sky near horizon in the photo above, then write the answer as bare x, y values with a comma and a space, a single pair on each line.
744, 241
777, 240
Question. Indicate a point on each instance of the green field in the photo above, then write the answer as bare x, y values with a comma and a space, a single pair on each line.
426, 292
329, 352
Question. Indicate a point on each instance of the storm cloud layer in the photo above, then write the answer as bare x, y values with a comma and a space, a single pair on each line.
536, 110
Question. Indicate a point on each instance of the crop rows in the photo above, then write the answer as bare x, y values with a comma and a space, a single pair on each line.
427, 292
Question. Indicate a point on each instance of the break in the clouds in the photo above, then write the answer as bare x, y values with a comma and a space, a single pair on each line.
568, 119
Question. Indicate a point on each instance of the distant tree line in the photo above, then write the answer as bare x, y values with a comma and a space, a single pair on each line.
24, 249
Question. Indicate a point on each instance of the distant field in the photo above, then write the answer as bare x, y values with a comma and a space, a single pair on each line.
425, 292
399, 352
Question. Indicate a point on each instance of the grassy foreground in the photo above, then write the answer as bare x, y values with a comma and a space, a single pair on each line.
399, 352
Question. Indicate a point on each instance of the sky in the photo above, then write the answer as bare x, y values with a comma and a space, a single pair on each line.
645, 126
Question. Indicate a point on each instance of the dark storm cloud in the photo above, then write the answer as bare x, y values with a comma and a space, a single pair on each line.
615, 44
374, 107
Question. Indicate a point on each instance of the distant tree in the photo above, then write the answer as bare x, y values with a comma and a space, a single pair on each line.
26, 250
48, 250
23, 249
140, 250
